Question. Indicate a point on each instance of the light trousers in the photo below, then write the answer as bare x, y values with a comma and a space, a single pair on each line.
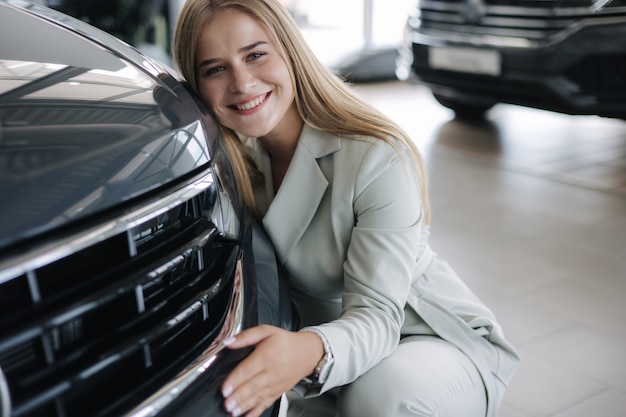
424, 376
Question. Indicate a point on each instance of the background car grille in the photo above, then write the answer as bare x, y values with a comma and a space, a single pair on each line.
535, 20
95, 315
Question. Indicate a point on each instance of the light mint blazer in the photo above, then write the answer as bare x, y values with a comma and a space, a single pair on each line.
347, 224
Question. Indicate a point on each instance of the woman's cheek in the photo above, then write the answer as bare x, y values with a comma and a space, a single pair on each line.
207, 98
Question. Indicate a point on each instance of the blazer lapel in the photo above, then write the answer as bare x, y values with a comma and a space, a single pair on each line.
301, 191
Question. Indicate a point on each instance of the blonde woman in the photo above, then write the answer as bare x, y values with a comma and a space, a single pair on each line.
389, 329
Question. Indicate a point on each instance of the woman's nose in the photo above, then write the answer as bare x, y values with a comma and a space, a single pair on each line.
241, 80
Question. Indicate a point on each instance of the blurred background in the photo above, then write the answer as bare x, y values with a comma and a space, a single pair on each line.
336, 30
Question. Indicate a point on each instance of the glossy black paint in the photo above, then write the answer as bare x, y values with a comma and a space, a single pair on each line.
82, 126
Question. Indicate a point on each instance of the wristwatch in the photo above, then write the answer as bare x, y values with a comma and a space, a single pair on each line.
321, 371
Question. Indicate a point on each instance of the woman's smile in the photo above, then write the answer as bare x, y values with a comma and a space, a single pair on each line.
250, 106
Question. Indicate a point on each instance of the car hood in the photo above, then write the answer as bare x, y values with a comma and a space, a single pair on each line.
84, 128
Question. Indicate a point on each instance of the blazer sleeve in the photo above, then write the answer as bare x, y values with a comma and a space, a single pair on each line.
381, 255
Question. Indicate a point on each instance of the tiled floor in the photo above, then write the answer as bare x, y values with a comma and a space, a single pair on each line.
530, 208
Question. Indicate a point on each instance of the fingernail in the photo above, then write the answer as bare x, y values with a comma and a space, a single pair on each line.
226, 391
236, 412
229, 340
231, 406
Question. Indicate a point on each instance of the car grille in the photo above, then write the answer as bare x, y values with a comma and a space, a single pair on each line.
96, 315
524, 20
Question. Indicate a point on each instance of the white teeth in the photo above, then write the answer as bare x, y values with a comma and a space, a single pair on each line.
252, 104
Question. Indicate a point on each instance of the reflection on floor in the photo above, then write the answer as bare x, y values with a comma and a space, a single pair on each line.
530, 208
585, 151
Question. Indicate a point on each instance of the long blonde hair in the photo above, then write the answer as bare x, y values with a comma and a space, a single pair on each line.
324, 100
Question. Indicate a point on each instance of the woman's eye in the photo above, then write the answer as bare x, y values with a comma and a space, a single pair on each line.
255, 55
214, 70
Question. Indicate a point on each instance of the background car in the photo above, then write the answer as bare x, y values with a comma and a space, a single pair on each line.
125, 256
147, 25
567, 56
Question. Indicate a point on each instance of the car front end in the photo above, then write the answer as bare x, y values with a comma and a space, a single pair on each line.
125, 257
567, 56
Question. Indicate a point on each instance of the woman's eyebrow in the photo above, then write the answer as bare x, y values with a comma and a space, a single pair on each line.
252, 46
207, 62
246, 48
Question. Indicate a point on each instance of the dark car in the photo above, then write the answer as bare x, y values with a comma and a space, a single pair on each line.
125, 256
567, 56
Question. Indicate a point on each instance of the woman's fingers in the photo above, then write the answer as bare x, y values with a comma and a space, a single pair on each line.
249, 337
248, 387
251, 365
252, 398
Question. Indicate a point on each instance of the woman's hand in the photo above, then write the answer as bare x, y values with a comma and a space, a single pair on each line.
280, 359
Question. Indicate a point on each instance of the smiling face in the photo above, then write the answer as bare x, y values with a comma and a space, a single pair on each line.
243, 78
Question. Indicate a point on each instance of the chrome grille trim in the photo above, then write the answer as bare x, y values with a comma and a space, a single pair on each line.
89, 311
166, 395
433, 37
502, 23
5, 397
52, 252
